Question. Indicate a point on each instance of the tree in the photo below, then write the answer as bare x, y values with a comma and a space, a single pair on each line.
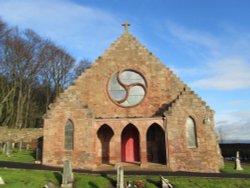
81, 67
33, 71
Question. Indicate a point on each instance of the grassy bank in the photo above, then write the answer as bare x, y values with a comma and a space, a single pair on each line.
34, 179
17, 156
229, 168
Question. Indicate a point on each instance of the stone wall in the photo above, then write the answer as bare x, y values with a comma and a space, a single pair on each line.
127, 54
71, 108
16, 135
206, 156
87, 104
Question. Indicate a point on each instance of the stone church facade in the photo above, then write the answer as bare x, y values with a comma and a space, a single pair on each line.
130, 108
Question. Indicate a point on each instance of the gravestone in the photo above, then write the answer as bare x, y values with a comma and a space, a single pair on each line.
1, 181
4, 148
165, 183
27, 147
20, 145
50, 185
38, 156
68, 176
120, 177
13, 145
8, 148
237, 162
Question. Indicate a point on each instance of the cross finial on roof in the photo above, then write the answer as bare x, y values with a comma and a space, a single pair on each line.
126, 25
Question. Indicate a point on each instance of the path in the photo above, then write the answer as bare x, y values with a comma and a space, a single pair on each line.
127, 172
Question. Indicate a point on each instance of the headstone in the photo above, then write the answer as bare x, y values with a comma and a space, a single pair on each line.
38, 156
50, 185
20, 145
237, 162
4, 148
120, 177
1, 181
68, 176
27, 147
13, 145
165, 183
8, 148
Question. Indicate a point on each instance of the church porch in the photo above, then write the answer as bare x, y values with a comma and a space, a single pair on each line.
132, 142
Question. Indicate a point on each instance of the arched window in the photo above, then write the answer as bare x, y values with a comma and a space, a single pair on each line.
69, 135
191, 133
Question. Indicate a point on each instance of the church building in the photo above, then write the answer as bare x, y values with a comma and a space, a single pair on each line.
129, 108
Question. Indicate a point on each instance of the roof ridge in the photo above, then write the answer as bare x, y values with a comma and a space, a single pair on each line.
65, 97
185, 90
199, 98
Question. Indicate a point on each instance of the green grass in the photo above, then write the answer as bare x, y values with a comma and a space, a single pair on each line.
229, 168
26, 178
19, 156
209, 182
34, 179
29, 157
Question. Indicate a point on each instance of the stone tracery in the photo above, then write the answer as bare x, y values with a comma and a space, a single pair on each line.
127, 88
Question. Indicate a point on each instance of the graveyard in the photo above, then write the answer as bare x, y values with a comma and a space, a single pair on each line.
137, 141
34, 178
29, 178
161, 102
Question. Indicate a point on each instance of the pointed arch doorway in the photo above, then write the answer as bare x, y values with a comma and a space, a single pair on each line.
105, 134
130, 144
156, 146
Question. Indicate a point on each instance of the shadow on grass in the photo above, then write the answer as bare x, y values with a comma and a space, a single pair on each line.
93, 185
156, 183
58, 177
33, 154
111, 180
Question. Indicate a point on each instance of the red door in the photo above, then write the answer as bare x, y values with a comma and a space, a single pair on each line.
130, 144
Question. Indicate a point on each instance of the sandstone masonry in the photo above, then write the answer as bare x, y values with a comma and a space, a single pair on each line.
152, 131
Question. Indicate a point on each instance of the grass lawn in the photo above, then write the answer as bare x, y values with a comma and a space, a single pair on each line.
16, 178
229, 168
34, 179
29, 157
17, 156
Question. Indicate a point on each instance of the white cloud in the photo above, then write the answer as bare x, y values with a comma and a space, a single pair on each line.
234, 125
221, 64
191, 36
83, 30
223, 61
238, 103
226, 74
235, 131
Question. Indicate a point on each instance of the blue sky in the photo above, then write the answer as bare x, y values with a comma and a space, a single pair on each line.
206, 43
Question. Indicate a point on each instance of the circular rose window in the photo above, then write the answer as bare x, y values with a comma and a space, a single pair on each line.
127, 88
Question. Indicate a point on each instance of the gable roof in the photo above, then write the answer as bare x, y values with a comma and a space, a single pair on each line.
126, 52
